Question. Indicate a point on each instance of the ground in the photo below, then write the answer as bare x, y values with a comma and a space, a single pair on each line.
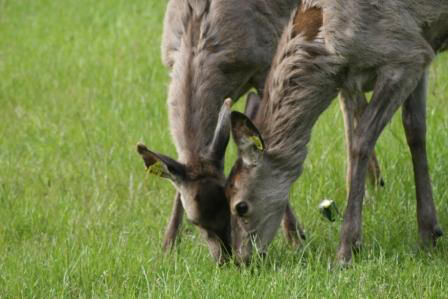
81, 82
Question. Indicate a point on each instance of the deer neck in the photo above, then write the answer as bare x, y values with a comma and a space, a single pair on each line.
303, 80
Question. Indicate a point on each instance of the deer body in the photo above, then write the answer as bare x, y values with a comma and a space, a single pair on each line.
385, 44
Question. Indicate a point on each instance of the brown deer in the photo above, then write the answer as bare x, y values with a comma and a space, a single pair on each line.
214, 51
348, 45
219, 49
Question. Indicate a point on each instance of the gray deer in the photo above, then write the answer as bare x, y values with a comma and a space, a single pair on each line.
349, 45
215, 49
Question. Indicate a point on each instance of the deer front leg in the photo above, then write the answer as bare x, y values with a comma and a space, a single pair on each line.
291, 228
352, 107
414, 122
374, 172
173, 226
391, 89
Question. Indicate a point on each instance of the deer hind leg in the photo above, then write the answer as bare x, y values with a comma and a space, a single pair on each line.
348, 109
391, 90
352, 107
291, 228
172, 229
414, 122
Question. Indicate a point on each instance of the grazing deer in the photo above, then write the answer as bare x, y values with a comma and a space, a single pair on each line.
215, 50
348, 45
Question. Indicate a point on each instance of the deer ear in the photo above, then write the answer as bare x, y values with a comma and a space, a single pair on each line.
161, 165
247, 138
221, 137
253, 101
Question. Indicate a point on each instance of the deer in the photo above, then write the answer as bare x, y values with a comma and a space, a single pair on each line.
217, 50
214, 52
347, 46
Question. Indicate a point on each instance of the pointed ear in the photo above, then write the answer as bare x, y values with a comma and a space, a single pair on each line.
247, 138
253, 101
221, 137
161, 165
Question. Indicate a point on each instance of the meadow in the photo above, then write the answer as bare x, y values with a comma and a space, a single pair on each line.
81, 81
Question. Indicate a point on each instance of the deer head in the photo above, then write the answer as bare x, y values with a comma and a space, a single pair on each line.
200, 183
257, 197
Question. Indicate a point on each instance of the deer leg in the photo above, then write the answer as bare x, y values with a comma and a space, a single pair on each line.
348, 112
414, 122
173, 226
291, 227
391, 90
352, 107
374, 172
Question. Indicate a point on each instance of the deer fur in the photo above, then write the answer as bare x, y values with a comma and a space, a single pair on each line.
218, 49
386, 45
214, 51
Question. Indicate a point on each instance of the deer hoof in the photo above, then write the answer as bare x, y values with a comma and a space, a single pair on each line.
429, 237
168, 245
343, 257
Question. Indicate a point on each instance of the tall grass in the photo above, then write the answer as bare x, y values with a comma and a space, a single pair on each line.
80, 83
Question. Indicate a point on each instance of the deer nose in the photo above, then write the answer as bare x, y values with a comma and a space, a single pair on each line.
241, 208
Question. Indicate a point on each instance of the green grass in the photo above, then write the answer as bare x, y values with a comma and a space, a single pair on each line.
80, 83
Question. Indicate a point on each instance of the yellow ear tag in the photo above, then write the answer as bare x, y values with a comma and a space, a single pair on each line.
257, 141
156, 169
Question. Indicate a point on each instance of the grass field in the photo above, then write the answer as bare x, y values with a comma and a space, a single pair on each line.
80, 83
